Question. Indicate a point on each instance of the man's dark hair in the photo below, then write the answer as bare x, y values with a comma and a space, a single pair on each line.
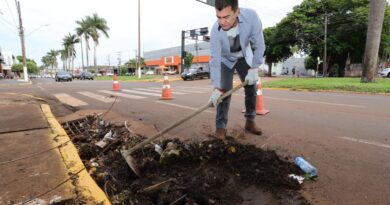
221, 4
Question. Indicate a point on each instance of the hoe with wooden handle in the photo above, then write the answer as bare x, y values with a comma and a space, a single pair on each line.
126, 152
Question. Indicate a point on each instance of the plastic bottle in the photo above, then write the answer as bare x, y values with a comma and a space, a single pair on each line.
306, 166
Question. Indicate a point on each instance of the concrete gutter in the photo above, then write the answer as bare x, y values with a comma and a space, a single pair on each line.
86, 186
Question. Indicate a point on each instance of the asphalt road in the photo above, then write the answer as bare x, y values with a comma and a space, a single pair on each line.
346, 136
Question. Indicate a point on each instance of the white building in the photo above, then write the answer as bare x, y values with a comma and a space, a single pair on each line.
8, 59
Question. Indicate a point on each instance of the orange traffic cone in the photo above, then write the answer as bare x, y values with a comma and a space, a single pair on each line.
260, 110
166, 91
115, 85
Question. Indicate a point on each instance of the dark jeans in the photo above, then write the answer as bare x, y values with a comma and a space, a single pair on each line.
227, 84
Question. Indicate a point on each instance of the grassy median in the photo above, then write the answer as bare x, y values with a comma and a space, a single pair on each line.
135, 78
381, 85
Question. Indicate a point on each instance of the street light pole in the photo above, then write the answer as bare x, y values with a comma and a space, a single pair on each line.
139, 39
325, 68
21, 34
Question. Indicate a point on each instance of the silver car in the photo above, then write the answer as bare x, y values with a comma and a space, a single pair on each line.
385, 73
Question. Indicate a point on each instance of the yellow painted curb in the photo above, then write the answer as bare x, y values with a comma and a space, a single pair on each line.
88, 187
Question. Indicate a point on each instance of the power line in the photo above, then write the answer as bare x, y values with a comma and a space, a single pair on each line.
8, 22
12, 14
8, 26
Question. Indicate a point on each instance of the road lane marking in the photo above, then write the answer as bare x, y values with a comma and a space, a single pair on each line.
378, 144
69, 100
181, 91
160, 90
188, 90
183, 106
205, 88
135, 97
141, 92
149, 90
101, 98
314, 102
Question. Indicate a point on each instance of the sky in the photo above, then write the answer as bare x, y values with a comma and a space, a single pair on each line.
47, 22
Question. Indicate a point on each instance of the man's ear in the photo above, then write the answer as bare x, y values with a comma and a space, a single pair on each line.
238, 11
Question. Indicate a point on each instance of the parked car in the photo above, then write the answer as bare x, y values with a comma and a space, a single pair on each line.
63, 76
385, 73
195, 73
149, 72
32, 76
76, 75
86, 75
169, 72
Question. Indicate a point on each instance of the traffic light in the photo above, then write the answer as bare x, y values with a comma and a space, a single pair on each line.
184, 54
192, 33
204, 31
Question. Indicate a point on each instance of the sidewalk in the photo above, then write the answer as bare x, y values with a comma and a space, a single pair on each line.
38, 164
13, 82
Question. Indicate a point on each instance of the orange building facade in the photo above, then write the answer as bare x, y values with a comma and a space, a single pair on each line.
172, 63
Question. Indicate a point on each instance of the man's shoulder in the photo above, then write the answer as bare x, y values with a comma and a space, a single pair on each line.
215, 27
247, 12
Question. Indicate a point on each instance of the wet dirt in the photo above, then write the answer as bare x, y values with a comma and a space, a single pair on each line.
182, 172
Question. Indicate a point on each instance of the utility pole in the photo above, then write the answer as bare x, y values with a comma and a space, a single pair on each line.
139, 40
21, 34
136, 62
183, 34
324, 70
109, 60
197, 54
374, 31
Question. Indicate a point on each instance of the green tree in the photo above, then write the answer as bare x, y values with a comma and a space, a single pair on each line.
346, 30
64, 56
188, 60
50, 60
45, 61
96, 25
31, 66
375, 24
132, 63
69, 42
83, 30
52, 55
278, 47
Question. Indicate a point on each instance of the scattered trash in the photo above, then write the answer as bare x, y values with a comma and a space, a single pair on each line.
306, 166
298, 178
176, 172
158, 149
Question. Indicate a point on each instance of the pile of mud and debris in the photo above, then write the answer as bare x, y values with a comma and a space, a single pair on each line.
177, 172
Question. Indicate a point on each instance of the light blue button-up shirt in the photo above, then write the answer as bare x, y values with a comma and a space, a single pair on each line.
250, 30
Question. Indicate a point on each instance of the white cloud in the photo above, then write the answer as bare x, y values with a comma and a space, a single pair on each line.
161, 23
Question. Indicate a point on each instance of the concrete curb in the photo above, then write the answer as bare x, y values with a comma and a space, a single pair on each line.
85, 184
17, 84
327, 91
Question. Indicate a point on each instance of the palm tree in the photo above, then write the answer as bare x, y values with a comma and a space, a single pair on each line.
52, 56
96, 25
132, 63
64, 57
68, 43
50, 60
46, 62
83, 30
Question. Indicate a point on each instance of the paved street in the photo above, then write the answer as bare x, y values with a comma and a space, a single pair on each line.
344, 135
